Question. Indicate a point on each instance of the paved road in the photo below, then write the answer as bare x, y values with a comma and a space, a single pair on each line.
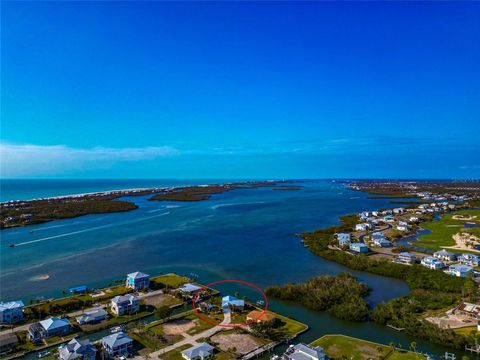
79, 312
190, 339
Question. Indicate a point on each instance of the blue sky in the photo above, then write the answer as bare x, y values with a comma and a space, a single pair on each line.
240, 89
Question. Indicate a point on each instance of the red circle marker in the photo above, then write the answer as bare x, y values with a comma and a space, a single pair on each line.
208, 321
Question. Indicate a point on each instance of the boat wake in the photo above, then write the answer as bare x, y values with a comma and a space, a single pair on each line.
91, 229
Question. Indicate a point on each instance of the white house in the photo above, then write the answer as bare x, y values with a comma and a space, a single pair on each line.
402, 227
363, 227
343, 239
432, 263
117, 345
125, 304
406, 258
198, 352
359, 247
304, 352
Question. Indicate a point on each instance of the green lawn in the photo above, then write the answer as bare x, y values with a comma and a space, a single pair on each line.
466, 331
445, 228
291, 327
171, 281
175, 354
337, 346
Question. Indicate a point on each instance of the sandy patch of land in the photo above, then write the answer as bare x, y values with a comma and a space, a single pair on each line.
243, 343
158, 300
464, 217
465, 241
452, 321
178, 327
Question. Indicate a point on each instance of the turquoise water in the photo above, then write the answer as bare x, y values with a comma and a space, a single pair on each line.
246, 234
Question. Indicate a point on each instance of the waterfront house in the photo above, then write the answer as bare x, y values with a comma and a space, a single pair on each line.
125, 304
189, 288
231, 303
198, 352
8, 342
403, 227
364, 214
459, 270
469, 259
117, 345
406, 258
304, 352
259, 316
468, 310
398, 210
92, 317
413, 219
137, 281
48, 328
11, 312
445, 255
432, 263
359, 248
343, 239
77, 349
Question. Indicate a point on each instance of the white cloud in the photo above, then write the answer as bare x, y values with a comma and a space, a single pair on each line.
37, 160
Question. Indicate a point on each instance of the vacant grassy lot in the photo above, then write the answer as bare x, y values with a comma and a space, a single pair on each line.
446, 227
338, 346
171, 281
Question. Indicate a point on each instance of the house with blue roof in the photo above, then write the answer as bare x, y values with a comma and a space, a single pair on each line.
198, 352
304, 352
359, 248
77, 349
11, 312
137, 281
48, 328
118, 344
92, 316
125, 304
459, 270
469, 259
231, 303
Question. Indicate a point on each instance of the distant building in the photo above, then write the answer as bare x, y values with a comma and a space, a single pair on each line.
77, 349
198, 352
343, 239
432, 263
304, 352
117, 345
459, 270
398, 210
48, 328
382, 242
444, 255
362, 227
8, 342
359, 248
403, 227
137, 281
92, 317
125, 304
11, 312
388, 218
406, 258
231, 303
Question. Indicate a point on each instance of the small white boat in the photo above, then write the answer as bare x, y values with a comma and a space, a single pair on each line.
44, 353
116, 329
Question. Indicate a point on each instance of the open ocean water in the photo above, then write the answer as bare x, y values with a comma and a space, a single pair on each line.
247, 234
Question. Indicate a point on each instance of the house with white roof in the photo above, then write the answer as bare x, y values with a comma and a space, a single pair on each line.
459, 270
189, 288
77, 349
198, 352
92, 316
118, 344
432, 263
138, 281
363, 227
11, 312
304, 352
125, 304
47, 328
